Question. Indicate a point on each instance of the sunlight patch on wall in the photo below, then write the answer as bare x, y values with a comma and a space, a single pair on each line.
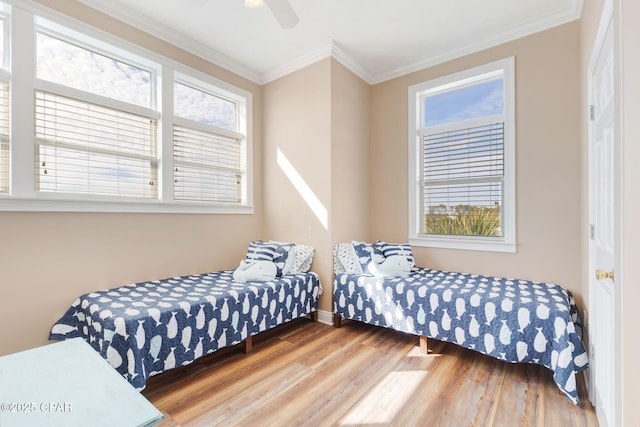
386, 400
303, 189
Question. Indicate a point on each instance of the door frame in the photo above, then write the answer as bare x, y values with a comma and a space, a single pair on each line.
610, 16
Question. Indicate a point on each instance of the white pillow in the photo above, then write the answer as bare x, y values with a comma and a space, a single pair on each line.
303, 257
348, 260
305, 253
338, 268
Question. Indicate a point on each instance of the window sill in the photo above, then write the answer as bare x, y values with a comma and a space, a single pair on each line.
63, 205
464, 243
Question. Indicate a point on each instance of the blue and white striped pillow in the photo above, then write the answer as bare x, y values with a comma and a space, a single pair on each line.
404, 249
260, 251
280, 254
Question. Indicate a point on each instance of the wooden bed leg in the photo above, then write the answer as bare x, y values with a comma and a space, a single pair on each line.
423, 345
314, 316
248, 345
337, 321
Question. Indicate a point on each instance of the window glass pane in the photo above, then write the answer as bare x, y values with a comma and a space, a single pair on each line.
462, 190
202, 107
464, 209
207, 167
463, 167
2, 27
89, 149
463, 173
69, 65
480, 100
476, 152
4, 137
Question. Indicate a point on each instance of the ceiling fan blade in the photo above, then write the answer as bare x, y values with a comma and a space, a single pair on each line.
283, 12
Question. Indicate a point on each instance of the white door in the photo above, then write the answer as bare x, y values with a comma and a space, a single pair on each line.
603, 142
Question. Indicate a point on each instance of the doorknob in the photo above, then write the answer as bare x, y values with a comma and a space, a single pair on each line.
601, 274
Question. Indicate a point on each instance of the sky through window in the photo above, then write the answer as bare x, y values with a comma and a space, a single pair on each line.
479, 100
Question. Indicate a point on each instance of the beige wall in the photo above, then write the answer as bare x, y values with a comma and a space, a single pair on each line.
48, 259
350, 111
318, 118
547, 161
297, 118
629, 13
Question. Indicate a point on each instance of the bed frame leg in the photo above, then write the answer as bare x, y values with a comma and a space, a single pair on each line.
248, 345
423, 345
337, 321
314, 316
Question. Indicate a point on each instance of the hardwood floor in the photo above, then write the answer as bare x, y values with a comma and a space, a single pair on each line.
311, 374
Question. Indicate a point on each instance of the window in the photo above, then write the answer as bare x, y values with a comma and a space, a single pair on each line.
208, 157
4, 137
86, 141
203, 107
87, 70
462, 160
4, 108
107, 126
84, 148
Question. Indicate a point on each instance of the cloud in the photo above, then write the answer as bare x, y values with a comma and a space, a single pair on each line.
484, 99
82, 69
95, 156
203, 107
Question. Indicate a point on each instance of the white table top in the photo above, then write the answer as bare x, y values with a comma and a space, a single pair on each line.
68, 384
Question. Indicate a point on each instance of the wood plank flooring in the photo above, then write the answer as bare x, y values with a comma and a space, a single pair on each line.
311, 374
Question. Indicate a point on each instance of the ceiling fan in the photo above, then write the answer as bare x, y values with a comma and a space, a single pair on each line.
281, 9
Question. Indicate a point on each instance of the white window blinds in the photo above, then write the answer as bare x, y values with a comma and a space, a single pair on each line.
207, 166
463, 180
98, 134
4, 137
83, 148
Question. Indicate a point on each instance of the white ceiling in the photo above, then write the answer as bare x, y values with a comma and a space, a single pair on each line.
376, 39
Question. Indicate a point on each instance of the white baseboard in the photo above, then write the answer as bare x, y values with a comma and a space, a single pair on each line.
325, 317
589, 385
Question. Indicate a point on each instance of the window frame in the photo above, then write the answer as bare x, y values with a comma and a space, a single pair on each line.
240, 106
416, 94
28, 19
5, 77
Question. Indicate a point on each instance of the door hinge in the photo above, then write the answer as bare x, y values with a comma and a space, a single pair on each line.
592, 231
592, 113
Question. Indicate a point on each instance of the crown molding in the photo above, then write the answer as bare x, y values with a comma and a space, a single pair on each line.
140, 21
516, 31
297, 64
334, 50
341, 55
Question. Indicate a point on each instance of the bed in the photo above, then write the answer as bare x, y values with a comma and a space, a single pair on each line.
518, 321
146, 328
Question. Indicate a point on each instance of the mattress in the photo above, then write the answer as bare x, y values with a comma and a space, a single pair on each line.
517, 321
147, 328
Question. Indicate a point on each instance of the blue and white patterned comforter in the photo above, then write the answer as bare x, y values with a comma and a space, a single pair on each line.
514, 320
146, 328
